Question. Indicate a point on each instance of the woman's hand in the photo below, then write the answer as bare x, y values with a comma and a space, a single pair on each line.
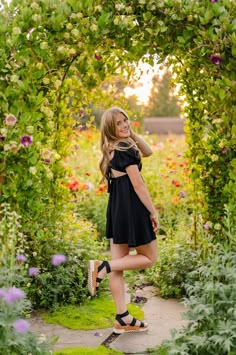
155, 222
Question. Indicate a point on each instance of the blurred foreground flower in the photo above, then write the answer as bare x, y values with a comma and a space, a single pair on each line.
13, 295
58, 259
10, 120
20, 258
33, 271
21, 326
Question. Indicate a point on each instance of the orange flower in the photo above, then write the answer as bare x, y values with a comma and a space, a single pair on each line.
135, 124
87, 173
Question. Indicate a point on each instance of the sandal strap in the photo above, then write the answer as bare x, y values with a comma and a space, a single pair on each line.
119, 316
106, 265
134, 320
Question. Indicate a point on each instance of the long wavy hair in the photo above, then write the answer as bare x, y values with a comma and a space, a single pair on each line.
109, 140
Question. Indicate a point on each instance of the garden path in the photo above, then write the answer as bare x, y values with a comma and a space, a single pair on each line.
161, 314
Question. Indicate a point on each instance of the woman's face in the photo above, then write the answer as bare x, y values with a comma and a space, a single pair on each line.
122, 126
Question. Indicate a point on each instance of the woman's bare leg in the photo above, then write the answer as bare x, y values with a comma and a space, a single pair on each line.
116, 277
121, 260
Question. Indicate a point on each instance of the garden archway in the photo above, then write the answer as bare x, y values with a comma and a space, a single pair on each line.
52, 50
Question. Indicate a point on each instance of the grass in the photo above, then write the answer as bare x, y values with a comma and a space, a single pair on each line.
97, 313
100, 350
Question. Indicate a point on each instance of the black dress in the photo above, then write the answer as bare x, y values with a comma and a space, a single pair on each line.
128, 220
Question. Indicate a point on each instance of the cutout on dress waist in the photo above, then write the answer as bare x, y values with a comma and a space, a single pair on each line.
117, 173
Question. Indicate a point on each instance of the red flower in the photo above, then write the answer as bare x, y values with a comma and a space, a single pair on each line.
176, 183
135, 124
74, 185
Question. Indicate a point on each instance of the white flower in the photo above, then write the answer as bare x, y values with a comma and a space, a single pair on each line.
214, 157
57, 84
44, 45
33, 170
93, 27
16, 30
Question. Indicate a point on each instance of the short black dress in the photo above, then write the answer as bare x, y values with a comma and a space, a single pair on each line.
128, 220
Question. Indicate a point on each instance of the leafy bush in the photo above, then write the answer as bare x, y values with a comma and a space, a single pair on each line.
211, 310
177, 258
66, 283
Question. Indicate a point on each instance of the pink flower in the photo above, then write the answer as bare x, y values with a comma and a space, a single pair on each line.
224, 150
33, 271
26, 140
13, 294
10, 120
21, 326
206, 226
182, 194
58, 259
20, 258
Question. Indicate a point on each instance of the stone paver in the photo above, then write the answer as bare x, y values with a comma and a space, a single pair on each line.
162, 316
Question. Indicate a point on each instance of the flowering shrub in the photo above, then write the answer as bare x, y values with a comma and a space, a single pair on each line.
15, 335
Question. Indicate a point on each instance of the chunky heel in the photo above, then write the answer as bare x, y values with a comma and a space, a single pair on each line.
93, 269
123, 327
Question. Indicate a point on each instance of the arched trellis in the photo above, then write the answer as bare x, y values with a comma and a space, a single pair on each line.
54, 49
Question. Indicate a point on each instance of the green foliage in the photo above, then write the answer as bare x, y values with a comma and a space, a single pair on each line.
176, 259
100, 350
162, 101
96, 313
211, 309
67, 283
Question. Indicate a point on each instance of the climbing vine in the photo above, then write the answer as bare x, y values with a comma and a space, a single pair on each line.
54, 56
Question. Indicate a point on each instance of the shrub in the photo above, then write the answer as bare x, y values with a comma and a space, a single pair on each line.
211, 310
177, 258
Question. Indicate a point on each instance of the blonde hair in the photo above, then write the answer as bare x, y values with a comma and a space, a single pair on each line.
109, 140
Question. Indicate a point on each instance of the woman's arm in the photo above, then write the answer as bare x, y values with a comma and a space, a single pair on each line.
143, 194
145, 149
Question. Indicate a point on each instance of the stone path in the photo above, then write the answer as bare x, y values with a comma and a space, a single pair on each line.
162, 316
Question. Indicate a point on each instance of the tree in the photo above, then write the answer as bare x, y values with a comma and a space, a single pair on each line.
162, 101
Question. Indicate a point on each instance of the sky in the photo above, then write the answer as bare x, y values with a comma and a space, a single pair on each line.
145, 72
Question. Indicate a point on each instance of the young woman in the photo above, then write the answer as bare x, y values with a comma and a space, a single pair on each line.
131, 216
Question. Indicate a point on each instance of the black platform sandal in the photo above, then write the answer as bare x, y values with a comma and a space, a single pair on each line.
93, 269
123, 327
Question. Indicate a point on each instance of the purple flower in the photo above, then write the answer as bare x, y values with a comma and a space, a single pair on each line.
10, 120
21, 326
98, 334
26, 140
215, 59
13, 294
213, 0
20, 258
58, 259
83, 128
224, 150
2, 137
33, 271
182, 194
206, 226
